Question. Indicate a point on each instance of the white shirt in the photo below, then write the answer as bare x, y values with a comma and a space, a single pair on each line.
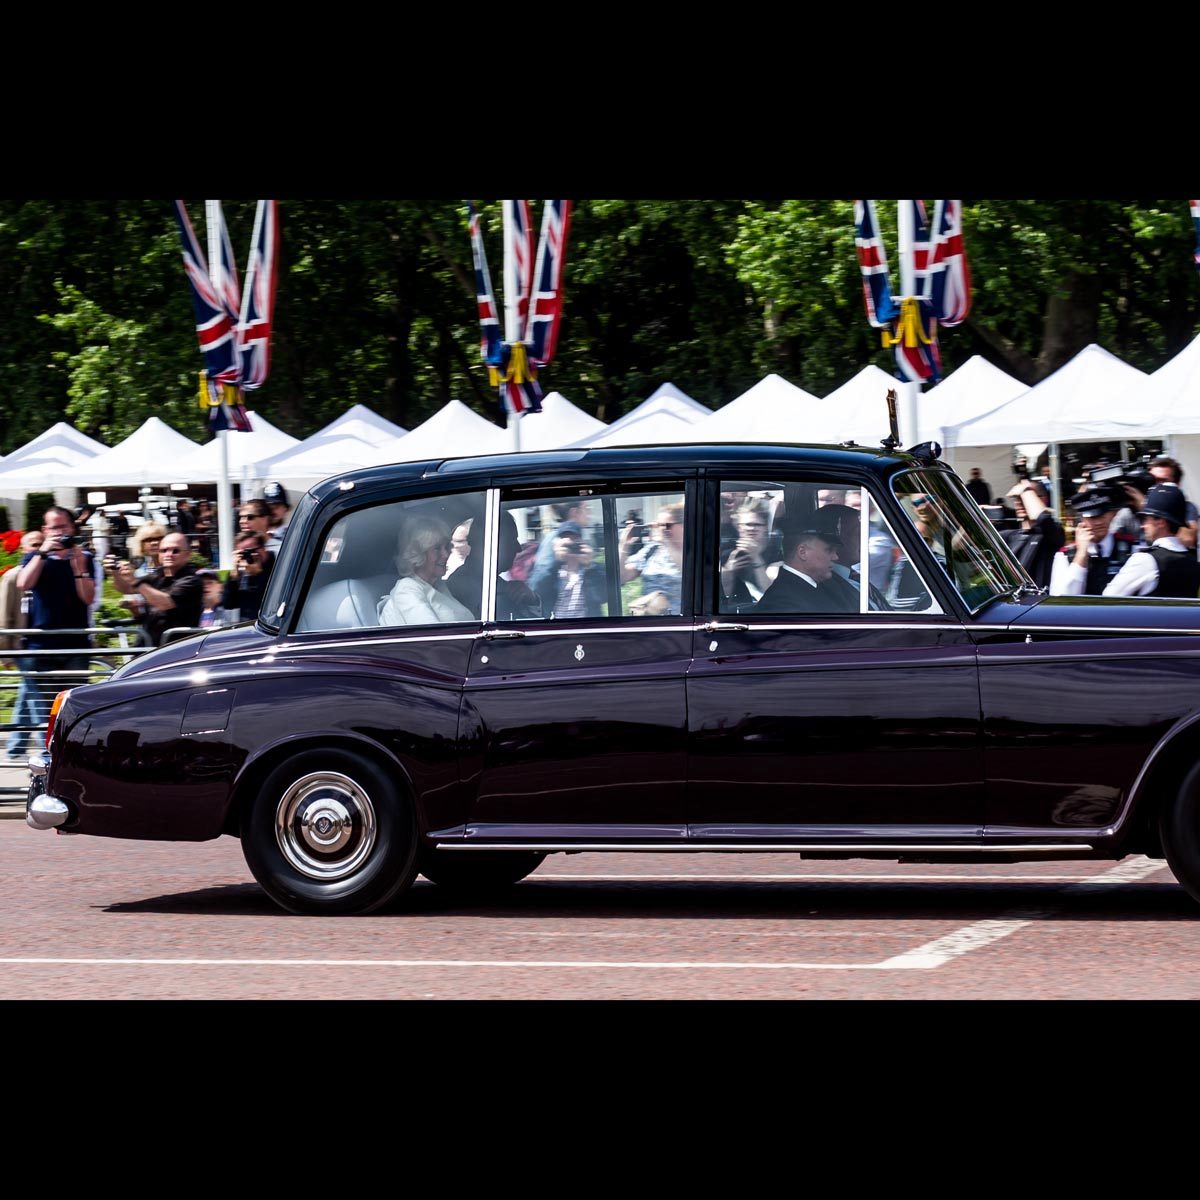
414, 602
1139, 575
1067, 578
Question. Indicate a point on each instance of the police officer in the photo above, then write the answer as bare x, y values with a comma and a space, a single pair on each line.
1167, 568
1101, 548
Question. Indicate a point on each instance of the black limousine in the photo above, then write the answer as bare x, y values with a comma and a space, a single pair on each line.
463, 666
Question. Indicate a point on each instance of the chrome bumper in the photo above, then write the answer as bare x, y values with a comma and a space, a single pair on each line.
42, 811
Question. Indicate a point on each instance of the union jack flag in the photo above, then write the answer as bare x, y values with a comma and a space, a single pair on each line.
948, 284
216, 325
1196, 220
518, 268
547, 293
258, 301
489, 323
872, 261
917, 354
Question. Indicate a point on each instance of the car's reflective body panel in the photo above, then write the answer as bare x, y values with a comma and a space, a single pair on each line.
1029, 719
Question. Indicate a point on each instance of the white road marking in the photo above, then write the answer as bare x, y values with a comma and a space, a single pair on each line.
931, 955
983, 933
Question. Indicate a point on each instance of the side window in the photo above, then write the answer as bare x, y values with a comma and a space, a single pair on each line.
413, 563
800, 547
591, 554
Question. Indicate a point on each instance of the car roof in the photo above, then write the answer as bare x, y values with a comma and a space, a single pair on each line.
610, 459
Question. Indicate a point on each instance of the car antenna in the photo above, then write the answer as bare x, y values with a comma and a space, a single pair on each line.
892, 440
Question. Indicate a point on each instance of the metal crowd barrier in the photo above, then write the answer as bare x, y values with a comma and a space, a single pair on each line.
102, 662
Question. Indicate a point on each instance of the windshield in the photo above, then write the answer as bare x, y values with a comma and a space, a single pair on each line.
964, 542
269, 615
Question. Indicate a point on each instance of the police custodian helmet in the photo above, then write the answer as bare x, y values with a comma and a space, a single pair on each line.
1167, 501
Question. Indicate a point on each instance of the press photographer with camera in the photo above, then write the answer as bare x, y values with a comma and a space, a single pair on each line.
252, 565
1139, 477
173, 594
1040, 536
61, 583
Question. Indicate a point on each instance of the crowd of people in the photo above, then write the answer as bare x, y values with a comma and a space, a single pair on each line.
1128, 540
163, 574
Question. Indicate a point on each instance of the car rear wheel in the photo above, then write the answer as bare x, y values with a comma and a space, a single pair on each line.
478, 870
1179, 828
330, 833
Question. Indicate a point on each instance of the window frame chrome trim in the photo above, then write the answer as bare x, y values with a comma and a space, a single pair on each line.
491, 553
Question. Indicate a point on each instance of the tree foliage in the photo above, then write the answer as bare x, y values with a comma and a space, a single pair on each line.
376, 303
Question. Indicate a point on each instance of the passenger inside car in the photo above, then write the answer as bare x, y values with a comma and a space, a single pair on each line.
420, 596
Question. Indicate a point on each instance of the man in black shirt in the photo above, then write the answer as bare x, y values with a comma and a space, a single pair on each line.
977, 486
1040, 537
247, 581
174, 595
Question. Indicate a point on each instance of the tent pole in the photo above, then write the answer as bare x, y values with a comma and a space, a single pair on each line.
1056, 496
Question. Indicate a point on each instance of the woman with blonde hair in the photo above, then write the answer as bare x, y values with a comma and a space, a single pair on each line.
143, 547
659, 562
420, 596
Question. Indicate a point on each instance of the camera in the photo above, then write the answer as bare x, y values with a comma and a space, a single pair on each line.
72, 539
1133, 471
248, 556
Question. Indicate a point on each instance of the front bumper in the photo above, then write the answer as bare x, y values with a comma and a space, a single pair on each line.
42, 811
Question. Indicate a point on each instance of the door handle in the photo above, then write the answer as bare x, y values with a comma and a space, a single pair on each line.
724, 627
493, 634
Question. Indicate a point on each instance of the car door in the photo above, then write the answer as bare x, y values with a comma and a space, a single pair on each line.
383, 643
575, 701
838, 724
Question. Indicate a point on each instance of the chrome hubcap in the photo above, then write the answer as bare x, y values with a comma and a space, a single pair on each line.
325, 825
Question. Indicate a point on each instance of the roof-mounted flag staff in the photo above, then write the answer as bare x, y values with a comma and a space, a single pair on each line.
532, 303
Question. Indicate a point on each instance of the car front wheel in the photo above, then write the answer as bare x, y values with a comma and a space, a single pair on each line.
329, 834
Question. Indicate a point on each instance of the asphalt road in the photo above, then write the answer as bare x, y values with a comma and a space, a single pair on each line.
94, 918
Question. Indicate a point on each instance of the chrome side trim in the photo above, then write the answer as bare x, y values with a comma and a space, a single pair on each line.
695, 847
1020, 627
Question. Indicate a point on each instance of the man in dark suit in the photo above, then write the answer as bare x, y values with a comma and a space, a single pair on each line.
802, 585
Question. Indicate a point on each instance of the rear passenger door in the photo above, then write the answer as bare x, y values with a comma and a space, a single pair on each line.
575, 705
853, 716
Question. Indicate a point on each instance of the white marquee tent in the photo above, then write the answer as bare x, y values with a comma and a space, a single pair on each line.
560, 423
356, 418
246, 451
452, 431
773, 410
147, 456
58, 436
1170, 398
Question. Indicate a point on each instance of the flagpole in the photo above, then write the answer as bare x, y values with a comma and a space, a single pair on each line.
910, 389
512, 312
224, 492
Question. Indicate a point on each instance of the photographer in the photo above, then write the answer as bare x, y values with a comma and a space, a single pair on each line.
247, 581
1101, 547
60, 580
1167, 567
173, 594
576, 588
1040, 537
1165, 470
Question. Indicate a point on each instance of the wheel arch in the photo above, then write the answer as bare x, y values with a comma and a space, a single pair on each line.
265, 759
1175, 754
